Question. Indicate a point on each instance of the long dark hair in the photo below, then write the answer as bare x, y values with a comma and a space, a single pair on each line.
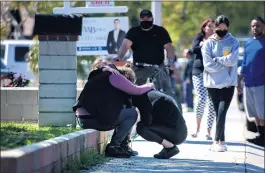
204, 24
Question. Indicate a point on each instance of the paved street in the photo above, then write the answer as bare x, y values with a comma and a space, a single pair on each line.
194, 154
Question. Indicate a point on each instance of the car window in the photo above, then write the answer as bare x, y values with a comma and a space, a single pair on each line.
21, 53
239, 63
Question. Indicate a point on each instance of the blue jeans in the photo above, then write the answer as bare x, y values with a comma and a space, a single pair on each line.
123, 125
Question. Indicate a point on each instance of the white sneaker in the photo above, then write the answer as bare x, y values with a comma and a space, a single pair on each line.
224, 147
218, 147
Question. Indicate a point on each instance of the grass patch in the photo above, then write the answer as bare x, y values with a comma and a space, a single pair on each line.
87, 159
13, 135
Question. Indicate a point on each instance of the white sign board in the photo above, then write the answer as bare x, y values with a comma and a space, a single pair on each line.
95, 33
99, 3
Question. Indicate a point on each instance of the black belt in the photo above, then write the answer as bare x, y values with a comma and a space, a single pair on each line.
143, 65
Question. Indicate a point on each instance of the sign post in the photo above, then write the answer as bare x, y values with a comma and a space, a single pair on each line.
91, 7
100, 3
156, 10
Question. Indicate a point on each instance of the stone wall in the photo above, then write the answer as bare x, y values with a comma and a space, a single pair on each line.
52, 155
21, 104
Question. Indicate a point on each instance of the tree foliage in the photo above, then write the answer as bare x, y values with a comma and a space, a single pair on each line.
4, 30
33, 58
183, 18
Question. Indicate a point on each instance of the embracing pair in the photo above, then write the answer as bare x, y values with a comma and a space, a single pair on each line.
109, 101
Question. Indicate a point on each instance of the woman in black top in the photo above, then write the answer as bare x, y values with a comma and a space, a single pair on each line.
197, 78
101, 103
161, 122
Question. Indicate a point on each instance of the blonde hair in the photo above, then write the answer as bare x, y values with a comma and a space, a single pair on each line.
99, 62
128, 73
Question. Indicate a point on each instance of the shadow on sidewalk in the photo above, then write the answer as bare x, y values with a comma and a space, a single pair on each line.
147, 164
249, 153
210, 142
228, 143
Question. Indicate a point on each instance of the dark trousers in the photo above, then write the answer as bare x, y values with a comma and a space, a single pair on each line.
175, 133
158, 132
221, 99
189, 95
123, 126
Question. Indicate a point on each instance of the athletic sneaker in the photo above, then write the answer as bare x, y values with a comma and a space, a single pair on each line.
224, 147
218, 147
116, 151
208, 137
166, 153
129, 150
257, 141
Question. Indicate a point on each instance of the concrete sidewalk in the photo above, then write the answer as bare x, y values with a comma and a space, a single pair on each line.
194, 154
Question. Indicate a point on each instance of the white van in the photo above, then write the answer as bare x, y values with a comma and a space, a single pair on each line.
13, 57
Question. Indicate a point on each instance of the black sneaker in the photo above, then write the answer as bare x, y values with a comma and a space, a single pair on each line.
257, 141
129, 150
166, 153
116, 151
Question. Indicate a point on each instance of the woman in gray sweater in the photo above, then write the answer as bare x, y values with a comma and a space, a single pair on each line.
220, 56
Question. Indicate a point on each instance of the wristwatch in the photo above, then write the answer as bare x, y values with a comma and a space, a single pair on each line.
170, 61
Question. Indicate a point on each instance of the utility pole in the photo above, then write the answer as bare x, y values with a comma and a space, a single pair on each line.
157, 12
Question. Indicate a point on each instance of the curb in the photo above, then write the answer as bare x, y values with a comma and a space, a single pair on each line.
51, 155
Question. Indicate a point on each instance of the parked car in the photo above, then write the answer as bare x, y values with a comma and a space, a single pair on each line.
240, 101
14, 57
250, 122
240, 96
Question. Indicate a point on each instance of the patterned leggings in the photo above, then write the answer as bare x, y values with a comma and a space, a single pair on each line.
202, 92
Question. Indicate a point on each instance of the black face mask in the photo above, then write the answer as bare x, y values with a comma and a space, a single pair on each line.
221, 33
146, 24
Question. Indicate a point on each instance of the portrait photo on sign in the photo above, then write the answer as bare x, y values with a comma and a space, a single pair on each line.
115, 37
102, 35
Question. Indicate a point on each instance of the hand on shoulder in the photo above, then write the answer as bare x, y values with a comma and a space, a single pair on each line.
109, 69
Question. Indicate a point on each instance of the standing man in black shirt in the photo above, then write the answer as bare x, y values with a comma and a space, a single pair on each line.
148, 42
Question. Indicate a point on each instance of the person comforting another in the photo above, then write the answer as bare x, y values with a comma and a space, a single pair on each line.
100, 105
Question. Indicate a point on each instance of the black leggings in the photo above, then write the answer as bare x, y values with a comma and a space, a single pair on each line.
157, 132
221, 101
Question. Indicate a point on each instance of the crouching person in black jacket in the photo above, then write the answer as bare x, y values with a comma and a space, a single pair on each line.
100, 106
161, 122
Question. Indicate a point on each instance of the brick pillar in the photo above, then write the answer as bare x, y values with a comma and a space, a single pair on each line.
57, 67
57, 79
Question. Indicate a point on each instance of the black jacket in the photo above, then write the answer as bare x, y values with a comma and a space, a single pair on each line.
103, 101
112, 45
197, 55
188, 70
158, 108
